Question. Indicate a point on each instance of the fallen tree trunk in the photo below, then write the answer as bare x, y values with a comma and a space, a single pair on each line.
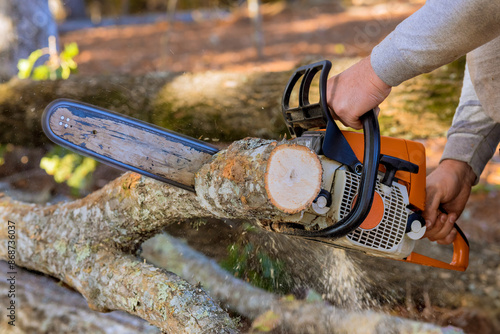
288, 315
89, 243
210, 106
44, 306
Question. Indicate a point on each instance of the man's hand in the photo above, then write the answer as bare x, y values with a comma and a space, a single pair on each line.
449, 185
355, 91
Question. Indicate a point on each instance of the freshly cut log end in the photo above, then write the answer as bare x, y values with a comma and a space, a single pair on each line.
293, 177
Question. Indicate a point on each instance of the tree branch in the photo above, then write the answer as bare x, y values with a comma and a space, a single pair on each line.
44, 306
87, 243
293, 315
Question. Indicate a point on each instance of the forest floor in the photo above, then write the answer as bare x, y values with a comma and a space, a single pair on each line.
292, 35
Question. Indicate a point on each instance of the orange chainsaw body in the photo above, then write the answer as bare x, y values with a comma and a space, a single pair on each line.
408, 150
415, 183
377, 199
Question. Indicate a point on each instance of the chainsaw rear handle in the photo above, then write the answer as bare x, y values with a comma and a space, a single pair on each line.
308, 115
459, 261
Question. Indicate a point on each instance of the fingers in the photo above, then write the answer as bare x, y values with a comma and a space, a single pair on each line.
448, 185
443, 230
355, 91
350, 121
347, 120
431, 213
449, 238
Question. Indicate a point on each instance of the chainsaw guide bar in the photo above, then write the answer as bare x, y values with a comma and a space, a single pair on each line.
126, 143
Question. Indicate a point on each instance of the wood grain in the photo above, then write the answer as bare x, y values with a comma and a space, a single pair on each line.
150, 151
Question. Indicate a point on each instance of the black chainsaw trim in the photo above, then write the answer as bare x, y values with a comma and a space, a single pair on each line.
335, 146
366, 188
307, 115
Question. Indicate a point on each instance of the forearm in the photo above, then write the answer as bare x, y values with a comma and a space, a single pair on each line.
473, 136
440, 32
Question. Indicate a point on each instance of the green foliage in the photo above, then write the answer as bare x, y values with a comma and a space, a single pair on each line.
58, 66
265, 322
3, 149
198, 223
257, 268
485, 188
69, 167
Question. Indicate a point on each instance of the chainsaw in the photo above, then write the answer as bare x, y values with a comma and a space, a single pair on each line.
372, 190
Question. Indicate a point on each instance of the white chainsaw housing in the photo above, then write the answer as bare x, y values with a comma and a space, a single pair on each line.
388, 238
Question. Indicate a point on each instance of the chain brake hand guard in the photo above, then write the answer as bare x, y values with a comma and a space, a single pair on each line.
309, 116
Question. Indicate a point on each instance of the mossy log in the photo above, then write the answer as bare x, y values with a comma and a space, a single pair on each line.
89, 244
210, 106
216, 106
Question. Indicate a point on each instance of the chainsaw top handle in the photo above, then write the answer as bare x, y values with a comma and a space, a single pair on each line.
335, 146
307, 115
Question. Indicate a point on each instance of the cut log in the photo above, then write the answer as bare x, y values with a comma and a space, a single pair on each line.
259, 178
293, 177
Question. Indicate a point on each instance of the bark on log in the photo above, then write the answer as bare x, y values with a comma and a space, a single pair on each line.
43, 306
88, 245
258, 178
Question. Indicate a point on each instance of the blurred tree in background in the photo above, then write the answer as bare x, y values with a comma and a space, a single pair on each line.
25, 26
75, 9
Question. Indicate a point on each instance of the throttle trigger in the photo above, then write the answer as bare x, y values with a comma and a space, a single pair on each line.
392, 165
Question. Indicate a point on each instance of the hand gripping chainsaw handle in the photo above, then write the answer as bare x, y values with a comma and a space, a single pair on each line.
460, 260
316, 115
308, 116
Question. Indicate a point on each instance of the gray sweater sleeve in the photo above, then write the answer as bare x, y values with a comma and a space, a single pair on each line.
440, 32
473, 136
